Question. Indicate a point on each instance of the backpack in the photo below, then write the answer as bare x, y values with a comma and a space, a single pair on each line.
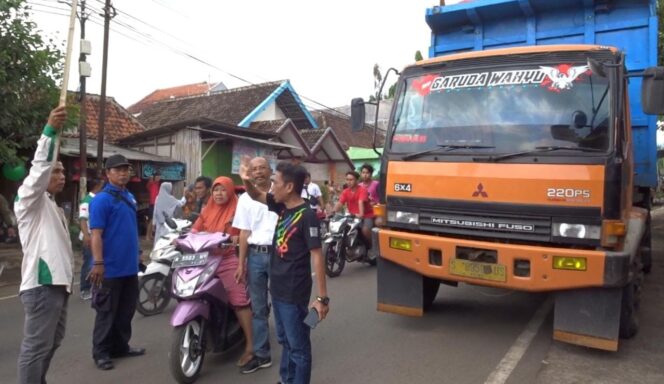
313, 200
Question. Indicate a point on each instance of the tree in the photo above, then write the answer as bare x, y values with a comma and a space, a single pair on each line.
29, 71
418, 56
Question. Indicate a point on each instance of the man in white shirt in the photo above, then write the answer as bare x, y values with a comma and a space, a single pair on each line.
46, 272
256, 225
312, 193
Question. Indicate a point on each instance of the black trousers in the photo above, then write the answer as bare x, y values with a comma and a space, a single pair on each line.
115, 303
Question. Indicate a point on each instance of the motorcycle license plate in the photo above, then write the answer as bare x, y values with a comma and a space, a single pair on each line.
190, 259
477, 270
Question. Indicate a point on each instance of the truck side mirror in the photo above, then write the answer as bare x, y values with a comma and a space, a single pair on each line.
357, 114
652, 91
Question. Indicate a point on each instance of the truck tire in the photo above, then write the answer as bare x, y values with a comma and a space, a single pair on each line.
646, 247
429, 291
629, 320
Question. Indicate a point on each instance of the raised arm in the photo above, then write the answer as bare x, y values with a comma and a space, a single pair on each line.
251, 189
36, 183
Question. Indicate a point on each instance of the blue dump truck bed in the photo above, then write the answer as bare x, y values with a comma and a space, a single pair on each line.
630, 25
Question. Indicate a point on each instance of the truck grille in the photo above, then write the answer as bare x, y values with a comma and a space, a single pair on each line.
503, 226
528, 223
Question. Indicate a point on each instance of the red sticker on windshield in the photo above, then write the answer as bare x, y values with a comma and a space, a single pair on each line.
563, 76
423, 84
409, 138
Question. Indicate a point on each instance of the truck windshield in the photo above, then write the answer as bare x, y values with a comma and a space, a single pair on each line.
501, 112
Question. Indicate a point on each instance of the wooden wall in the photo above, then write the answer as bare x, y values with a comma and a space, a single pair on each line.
187, 150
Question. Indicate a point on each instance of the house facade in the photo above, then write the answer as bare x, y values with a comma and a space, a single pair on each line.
211, 132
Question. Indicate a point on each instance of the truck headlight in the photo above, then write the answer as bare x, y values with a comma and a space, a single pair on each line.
577, 231
403, 217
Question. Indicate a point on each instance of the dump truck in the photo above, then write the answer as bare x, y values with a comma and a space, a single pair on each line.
522, 155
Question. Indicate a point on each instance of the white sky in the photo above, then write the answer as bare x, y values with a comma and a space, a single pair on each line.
326, 48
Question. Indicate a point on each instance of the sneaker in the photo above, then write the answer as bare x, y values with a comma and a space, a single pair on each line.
86, 295
257, 363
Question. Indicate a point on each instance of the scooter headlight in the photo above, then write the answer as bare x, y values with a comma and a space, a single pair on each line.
335, 225
185, 288
209, 271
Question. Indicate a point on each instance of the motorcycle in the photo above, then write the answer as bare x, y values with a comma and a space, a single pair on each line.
343, 243
154, 283
203, 319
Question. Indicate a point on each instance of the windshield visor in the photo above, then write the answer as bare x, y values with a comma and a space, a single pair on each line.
504, 111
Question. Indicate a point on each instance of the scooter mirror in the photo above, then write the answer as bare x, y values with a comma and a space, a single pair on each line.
171, 223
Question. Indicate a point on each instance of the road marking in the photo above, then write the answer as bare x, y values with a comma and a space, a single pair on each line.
8, 297
504, 369
14, 296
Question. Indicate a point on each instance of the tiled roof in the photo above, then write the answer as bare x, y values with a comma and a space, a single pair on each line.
311, 136
229, 106
118, 123
270, 126
170, 93
341, 126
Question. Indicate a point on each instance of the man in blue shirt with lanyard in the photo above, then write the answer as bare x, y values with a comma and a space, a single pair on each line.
114, 275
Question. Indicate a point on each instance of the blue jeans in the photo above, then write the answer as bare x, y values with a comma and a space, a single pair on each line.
293, 335
258, 274
85, 268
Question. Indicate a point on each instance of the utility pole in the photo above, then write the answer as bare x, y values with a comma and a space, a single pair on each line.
83, 144
108, 9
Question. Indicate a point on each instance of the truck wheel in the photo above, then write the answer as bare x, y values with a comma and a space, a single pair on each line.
629, 320
429, 291
646, 248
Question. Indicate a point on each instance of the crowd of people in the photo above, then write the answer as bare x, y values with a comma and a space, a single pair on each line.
275, 226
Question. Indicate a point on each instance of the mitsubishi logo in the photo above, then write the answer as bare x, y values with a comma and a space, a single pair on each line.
480, 191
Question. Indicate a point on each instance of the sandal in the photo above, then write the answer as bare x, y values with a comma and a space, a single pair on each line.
246, 358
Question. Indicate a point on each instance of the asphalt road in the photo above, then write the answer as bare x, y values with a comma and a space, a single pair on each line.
463, 339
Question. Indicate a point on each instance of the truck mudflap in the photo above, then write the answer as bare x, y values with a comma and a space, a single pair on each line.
592, 317
588, 317
400, 290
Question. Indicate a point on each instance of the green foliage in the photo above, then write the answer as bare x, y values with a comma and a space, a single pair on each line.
29, 71
418, 56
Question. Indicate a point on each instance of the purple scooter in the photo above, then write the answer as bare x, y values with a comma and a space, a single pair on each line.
203, 319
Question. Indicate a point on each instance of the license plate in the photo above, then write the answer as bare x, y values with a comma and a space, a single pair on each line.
483, 271
190, 259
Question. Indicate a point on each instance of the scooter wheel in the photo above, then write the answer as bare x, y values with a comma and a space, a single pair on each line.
187, 352
334, 261
153, 294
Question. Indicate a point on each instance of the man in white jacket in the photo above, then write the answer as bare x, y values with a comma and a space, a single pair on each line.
46, 273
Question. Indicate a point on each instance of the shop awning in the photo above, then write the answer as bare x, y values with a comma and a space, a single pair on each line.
70, 146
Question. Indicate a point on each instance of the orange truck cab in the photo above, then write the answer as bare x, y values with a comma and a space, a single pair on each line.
516, 167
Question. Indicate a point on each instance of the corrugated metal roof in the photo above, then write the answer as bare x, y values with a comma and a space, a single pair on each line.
71, 146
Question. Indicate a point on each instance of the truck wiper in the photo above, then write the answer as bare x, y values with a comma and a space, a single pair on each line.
536, 150
445, 147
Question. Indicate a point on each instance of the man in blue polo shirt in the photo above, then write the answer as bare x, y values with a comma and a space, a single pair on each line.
114, 274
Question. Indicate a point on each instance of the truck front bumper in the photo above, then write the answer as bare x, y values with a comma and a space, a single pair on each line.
603, 269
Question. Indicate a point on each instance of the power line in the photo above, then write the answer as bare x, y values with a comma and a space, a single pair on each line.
48, 12
151, 39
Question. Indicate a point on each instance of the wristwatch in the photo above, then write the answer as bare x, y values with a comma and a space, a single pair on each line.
323, 299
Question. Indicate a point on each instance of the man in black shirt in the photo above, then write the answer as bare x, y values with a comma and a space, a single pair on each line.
296, 244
